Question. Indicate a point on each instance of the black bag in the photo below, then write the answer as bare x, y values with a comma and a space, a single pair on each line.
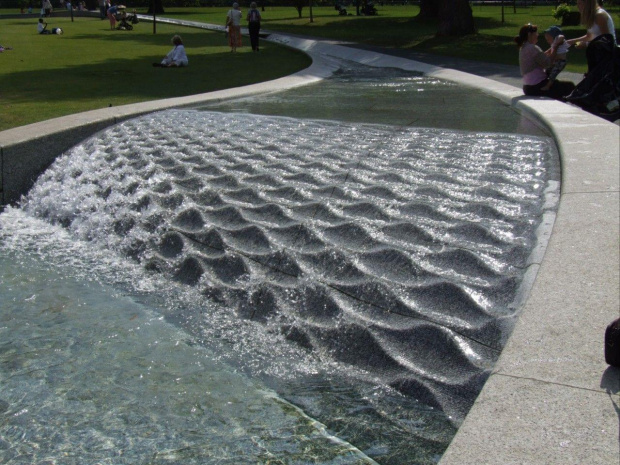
599, 91
612, 344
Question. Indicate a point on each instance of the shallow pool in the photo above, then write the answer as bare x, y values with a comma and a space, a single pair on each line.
324, 275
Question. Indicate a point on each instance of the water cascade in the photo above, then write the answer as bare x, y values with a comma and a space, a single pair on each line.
365, 276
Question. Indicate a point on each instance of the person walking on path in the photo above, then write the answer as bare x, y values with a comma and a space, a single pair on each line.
233, 22
112, 16
103, 9
254, 25
47, 8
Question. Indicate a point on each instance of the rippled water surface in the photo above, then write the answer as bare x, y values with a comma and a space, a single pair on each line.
228, 287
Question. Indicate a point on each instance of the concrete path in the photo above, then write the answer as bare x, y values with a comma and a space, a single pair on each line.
507, 74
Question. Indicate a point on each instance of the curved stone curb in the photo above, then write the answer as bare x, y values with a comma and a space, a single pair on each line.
551, 398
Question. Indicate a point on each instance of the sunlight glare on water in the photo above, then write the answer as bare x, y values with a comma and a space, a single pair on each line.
236, 286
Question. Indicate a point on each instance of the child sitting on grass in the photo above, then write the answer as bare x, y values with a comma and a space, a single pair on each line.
556, 40
42, 28
176, 57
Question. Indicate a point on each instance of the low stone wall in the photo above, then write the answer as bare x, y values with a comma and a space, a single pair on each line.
22, 159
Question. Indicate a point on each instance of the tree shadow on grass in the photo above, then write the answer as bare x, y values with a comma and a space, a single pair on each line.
488, 24
191, 37
389, 32
32, 22
118, 79
123, 72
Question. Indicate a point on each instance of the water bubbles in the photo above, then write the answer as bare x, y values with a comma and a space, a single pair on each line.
305, 251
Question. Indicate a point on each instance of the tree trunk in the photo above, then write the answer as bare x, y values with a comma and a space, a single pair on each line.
429, 9
455, 18
299, 6
159, 7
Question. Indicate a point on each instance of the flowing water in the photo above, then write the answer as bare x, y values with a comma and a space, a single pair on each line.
300, 277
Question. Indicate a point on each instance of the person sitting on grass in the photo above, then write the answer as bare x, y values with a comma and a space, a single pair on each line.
42, 28
176, 57
554, 37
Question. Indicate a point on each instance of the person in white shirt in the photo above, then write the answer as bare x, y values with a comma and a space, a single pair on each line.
42, 28
233, 23
601, 33
46, 8
597, 22
175, 57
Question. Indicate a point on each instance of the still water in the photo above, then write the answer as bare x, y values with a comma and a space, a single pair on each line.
324, 275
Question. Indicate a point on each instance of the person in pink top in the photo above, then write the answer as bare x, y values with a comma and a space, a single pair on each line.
533, 62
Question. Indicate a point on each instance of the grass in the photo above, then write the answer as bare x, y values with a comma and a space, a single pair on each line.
398, 27
90, 67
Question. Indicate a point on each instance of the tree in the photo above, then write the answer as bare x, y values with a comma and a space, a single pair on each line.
429, 9
159, 7
455, 18
299, 5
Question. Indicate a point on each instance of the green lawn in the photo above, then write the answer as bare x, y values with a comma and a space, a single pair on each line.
90, 67
397, 27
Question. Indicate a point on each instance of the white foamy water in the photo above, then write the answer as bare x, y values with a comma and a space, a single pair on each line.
365, 273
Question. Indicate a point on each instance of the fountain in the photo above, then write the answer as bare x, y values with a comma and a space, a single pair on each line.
299, 274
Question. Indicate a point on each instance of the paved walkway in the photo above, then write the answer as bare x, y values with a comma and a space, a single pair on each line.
507, 74
502, 73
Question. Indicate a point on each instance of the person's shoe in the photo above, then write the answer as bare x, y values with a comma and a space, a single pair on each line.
575, 95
